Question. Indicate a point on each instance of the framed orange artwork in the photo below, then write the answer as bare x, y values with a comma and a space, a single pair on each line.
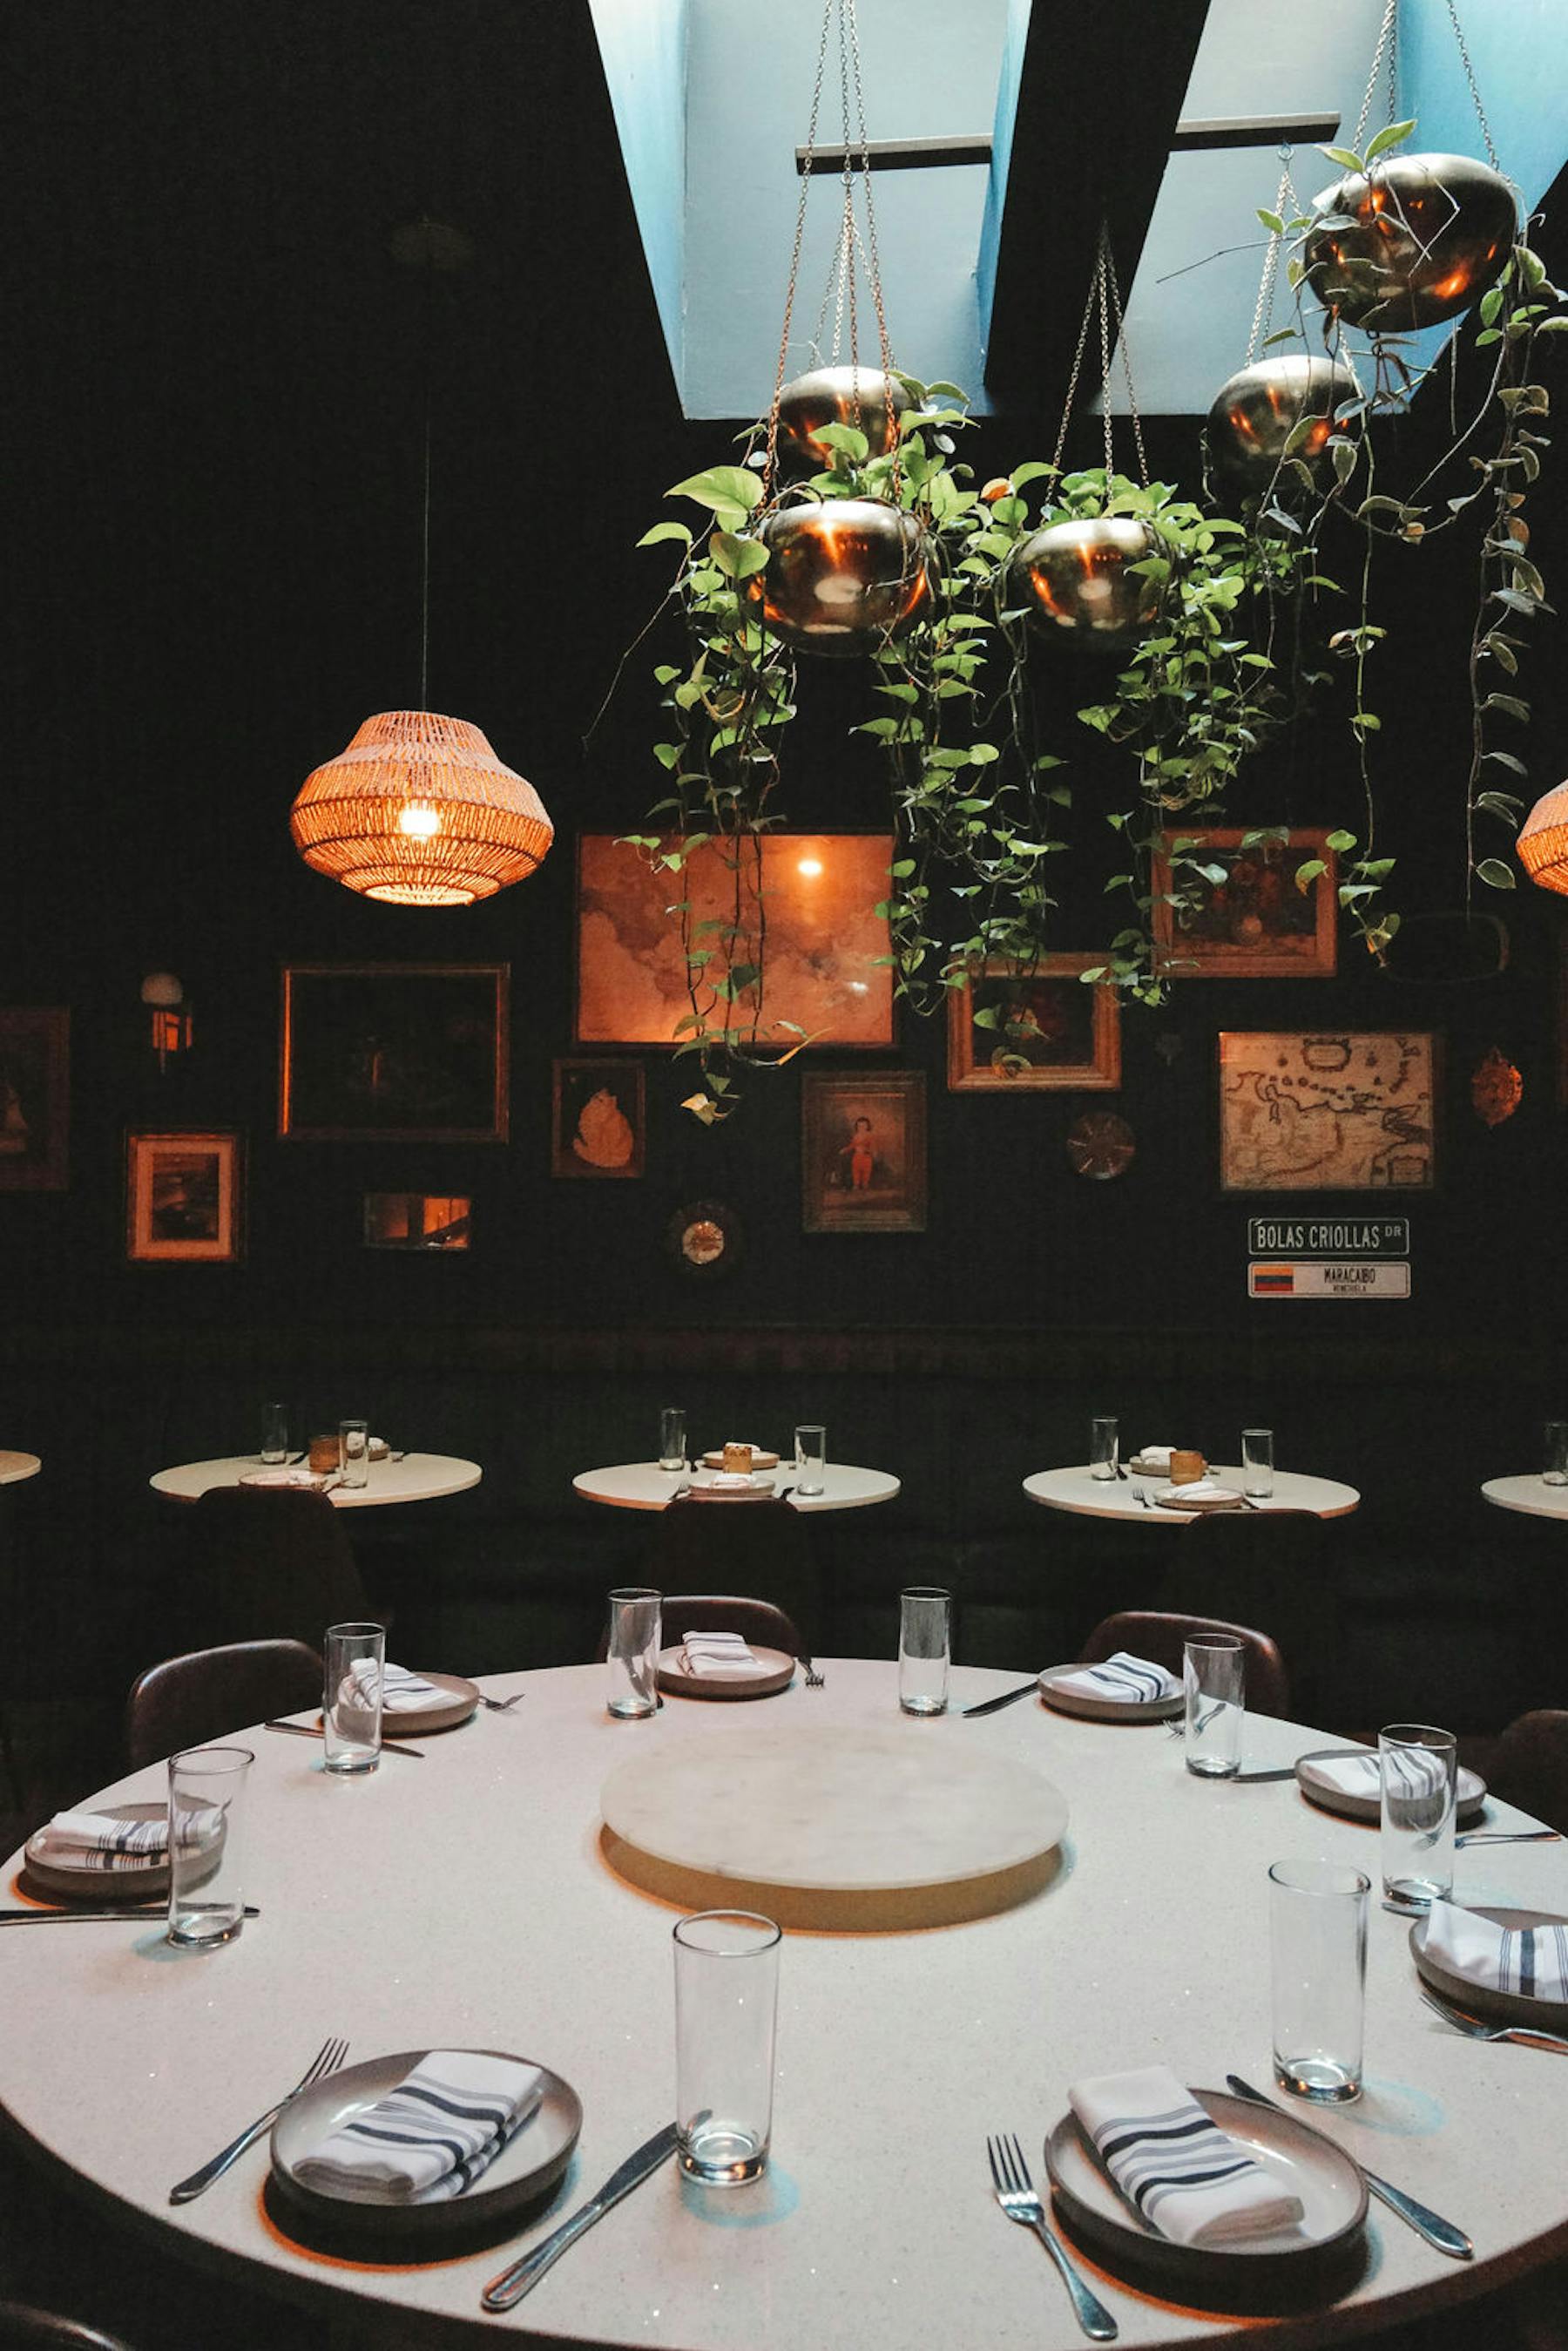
1015, 1026
1227, 905
183, 1198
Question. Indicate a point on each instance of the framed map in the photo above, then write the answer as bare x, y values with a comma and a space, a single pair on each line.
1327, 1111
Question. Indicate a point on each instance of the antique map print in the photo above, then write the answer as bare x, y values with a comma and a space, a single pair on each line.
1326, 1112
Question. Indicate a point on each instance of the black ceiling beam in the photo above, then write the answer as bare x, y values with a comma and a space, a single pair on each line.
1099, 100
1199, 136
895, 155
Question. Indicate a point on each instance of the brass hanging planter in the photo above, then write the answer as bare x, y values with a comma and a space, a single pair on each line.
1255, 412
1416, 241
844, 575
864, 397
1076, 580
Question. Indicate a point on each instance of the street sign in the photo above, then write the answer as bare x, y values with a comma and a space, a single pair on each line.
1335, 1236
1328, 1278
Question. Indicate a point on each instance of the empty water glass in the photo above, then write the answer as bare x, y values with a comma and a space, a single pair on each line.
356, 1659
275, 1433
1317, 1945
1419, 1766
206, 1845
1103, 1447
673, 1438
1258, 1463
632, 1657
1554, 1466
726, 2009
923, 1649
354, 1452
810, 1458
1215, 1675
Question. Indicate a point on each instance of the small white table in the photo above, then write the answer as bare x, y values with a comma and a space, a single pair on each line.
14, 1467
644, 1486
1117, 1498
417, 1477
1529, 1494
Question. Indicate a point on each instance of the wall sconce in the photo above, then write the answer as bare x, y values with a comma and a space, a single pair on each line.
172, 1028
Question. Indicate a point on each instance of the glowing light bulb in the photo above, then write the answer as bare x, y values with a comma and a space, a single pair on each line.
420, 821
810, 866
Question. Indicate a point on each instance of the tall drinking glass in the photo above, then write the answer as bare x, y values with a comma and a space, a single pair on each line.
1554, 1459
206, 1845
275, 1433
1215, 1675
1317, 1946
1258, 1463
632, 1659
355, 1657
1102, 1447
726, 2011
354, 1452
673, 1438
810, 1458
923, 1649
1419, 1764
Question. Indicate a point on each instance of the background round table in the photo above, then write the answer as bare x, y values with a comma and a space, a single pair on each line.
644, 1486
470, 1903
1117, 1498
1529, 1494
14, 1467
418, 1477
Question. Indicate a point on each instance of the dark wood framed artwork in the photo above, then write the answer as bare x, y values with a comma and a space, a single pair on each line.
34, 1097
863, 1153
1225, 911
184, 1198
1022, 1027
599, 1119
810, 898
397, 1052
1327, 1110
439, 1224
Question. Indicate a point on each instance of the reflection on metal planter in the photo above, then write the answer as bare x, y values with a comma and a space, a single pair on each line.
1075, 576
1257, 409
1417, 242
839, 395
843, 575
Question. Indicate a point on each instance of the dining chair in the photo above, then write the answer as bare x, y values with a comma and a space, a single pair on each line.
758, 1622
1160, 1637
1286, 1568
192, 1700
23, 2328
265, 1565
1530, 1765
766, 1545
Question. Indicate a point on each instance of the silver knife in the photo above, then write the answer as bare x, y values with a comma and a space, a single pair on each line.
128, 1910
1008, 1697
504, 2293
1421, 2218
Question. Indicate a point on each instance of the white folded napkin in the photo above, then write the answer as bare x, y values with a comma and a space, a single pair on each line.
1196, 1489
1350, 1775
401, 1691
1124, 1679
1530, 1960
1184, 2175
98, 1841
728, 1481
1157, 1456
724, 1654
431, 2137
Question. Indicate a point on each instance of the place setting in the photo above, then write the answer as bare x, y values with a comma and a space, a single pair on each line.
1122, 1688
110, 1862
362, 1692
723, 1666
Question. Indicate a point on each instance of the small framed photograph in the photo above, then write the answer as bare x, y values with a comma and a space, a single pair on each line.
183, 1198
600, 1119
863, 1153
433, 1222
400, 1053
1038, 1025
1225, 911
34, 1097
1327, 1110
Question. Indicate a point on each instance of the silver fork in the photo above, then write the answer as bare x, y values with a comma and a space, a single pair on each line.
502, 1704
814, 1680
1476, 2030
327, 2060
1015, 2193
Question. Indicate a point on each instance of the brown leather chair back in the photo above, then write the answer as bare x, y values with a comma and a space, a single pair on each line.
192, 1700
1151, 1634
1529, 1766
758, 1622
267, 1564
22, 2329
763, 1546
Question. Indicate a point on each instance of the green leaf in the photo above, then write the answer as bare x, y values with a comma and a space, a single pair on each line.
1310, 870
848, 438
1501, 804
1391, 137
1495, 873
662, 530
1345, 157
721, 488
1341, 842
1272, 222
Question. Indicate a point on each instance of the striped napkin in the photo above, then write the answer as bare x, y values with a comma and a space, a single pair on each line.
401, 1691
722, 1654
1178, 2169
1530, 1960
432, 2136
1124, 1679
99, 1841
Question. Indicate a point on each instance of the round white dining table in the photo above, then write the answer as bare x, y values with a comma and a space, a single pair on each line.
472, 1904
417, 1477
1132, 1497
644, 1486
1529, 1494
14, 1467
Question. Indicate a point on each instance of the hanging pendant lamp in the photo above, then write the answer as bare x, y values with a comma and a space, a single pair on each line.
1543, 841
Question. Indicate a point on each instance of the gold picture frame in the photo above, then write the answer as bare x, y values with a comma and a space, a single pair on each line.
1028, 1026
863, 1153
393, 1053
185, 1197
1255, 924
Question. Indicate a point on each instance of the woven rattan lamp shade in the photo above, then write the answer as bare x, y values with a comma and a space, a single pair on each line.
1543, 841
419, 811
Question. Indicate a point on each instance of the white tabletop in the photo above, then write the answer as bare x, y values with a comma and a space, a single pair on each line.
1117, 1498
14, 1467
470, 1902
1531, 1495
644, 1486
417, 1477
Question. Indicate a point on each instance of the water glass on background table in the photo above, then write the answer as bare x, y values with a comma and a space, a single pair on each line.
1419, 1765
206, 1845
632, 1659
354, 1452
923, 1649
726, 2011
1215, 1675
672, 1438
1102, 1447
810, 1458
1317, 1947
1554, 1459
275, 1433
356, 1659
1258, 1463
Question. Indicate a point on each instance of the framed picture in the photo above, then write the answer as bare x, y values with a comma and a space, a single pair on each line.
1026, 1025
599, 1119
418, 1220
800, 905
183, 1198
34, 1098
863, 1153
1327, 1111
1223, 911
403, 1052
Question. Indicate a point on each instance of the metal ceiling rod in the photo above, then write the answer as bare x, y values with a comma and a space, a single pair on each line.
1254, 130
1190, 138
895, 155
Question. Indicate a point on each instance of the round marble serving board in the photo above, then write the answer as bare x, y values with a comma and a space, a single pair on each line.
865, 1826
